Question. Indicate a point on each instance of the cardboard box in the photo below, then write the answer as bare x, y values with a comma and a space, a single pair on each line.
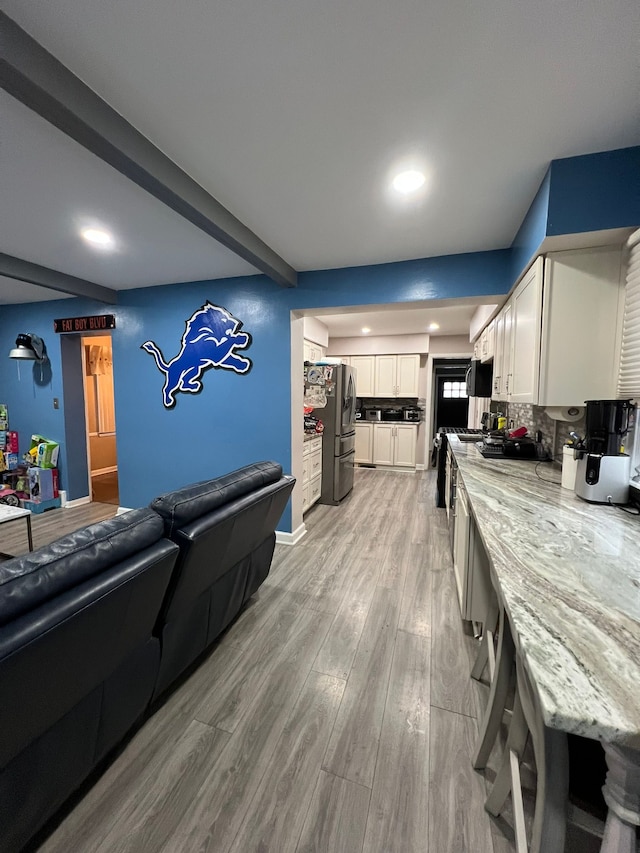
11, 461
41, 506
41, 484
46, 455
54, 475
12, 441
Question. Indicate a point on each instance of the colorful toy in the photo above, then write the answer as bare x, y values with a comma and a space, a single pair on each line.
9, 497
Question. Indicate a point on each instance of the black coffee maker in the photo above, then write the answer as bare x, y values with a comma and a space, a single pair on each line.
604, 468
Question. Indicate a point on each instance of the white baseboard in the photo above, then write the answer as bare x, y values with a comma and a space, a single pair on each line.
284, 538
397, 469
78, 502
123, 509
108, 470
420, 467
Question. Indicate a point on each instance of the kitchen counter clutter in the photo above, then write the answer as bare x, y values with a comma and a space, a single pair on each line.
569, 574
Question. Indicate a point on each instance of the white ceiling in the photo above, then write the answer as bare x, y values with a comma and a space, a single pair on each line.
293, 114
56, 186
453, 320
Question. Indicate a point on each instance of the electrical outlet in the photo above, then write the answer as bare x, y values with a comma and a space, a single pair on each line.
56, 403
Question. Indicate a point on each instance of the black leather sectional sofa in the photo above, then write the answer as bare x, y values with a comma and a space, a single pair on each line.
99, 624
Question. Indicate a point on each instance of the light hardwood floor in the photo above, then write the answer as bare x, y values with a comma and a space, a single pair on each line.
336, 715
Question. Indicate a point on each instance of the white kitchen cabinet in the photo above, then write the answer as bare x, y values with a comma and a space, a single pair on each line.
478, 587
405, 445
470, 562
312, 351
501, 360
385, 376
396, 375
311, 472
364, 365
407, 371
582, 315
338, 359
487, 343
555, 345
364, 443
383, 444
395, 444
526, 330
461, 543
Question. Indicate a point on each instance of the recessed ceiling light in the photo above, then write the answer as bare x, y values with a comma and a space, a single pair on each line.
97, 237
365, 330
433, 327
408, 182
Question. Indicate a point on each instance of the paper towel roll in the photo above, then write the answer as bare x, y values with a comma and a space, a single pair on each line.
569, 467
570, 414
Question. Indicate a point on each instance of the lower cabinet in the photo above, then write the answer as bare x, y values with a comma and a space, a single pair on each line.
395, 444
311, 472
364, 444
470, 562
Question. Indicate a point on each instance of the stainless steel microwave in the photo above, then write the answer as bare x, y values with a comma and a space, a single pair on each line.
479, 379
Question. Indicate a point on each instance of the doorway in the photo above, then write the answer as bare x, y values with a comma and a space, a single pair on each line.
451, 404
100, 419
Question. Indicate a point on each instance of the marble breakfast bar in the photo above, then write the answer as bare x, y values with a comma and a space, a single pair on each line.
567, 574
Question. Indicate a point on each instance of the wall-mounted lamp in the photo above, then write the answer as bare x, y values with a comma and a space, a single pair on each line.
30, 347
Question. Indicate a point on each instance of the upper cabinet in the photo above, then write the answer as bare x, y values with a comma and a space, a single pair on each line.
487, 343
396, 375
364, 366
502, 357
557, 337
582, 315
385, 375
313, 352
526, 305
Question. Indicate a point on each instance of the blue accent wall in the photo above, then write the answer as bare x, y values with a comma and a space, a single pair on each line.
30, 399
533, 230
236, 419
445, 277
595, 192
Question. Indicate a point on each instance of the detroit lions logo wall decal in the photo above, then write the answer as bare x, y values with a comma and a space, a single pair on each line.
211, 338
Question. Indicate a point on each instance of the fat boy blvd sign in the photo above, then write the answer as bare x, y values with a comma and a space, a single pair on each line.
95, 323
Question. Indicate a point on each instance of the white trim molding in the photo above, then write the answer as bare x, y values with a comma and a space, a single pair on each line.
110, 469
284, 538
78, 502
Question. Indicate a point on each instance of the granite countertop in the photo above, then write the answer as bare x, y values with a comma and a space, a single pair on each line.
309, 436
569, 575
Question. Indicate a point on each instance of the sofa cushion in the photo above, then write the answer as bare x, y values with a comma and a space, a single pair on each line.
31, 580
184, 505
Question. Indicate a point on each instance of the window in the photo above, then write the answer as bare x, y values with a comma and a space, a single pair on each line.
454, 390
629, 373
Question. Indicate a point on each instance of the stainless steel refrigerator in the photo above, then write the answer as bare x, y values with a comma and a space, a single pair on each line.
339, 437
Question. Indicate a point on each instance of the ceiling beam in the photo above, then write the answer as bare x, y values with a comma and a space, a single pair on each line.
54, 280
35, 77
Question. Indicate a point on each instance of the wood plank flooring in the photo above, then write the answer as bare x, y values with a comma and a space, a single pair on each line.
335, 716
50, 525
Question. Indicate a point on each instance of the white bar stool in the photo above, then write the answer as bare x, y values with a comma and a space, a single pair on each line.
497, 653
552, 766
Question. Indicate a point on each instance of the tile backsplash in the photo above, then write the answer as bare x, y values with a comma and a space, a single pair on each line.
534, 418
388, 402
